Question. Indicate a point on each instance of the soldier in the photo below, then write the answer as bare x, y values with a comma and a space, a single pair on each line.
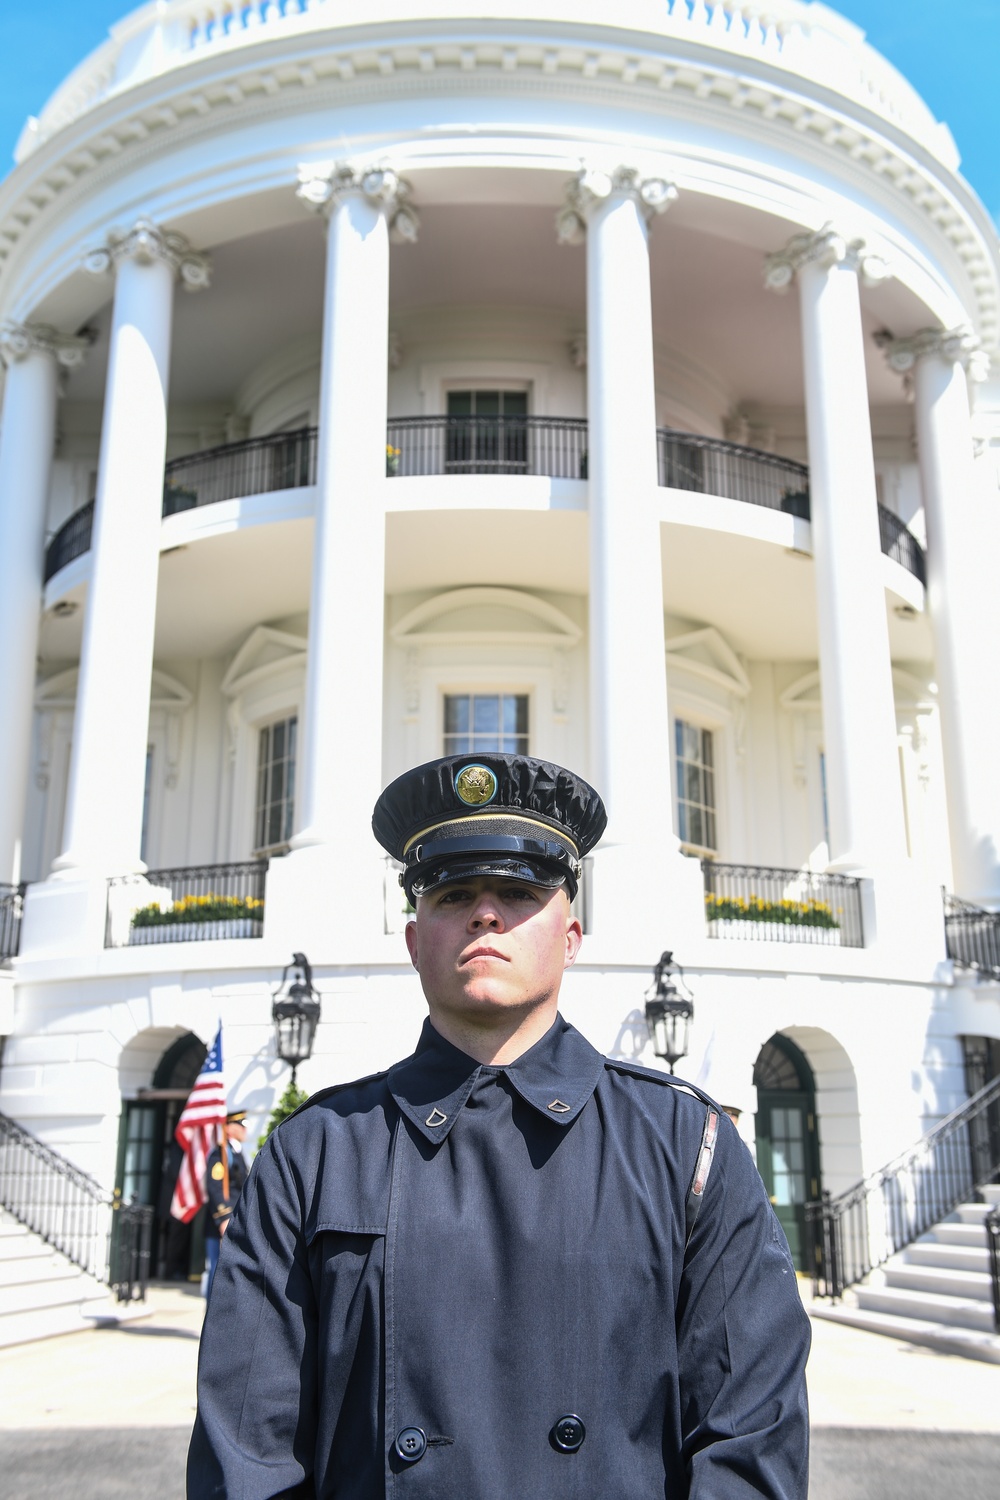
509, 1266
224, 1179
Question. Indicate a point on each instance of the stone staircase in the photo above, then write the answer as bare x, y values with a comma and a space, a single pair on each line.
936, 1292
42, 1293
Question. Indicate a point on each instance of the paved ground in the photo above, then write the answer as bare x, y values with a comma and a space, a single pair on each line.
106, 1415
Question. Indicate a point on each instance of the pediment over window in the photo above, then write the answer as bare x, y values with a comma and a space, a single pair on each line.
264, 653
482, 615
803, 695
59, 691
705, 653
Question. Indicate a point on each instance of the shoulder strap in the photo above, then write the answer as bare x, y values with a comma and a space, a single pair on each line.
702, 1167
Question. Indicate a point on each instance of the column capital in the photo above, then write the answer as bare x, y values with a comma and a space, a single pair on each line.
146, 242
592, 186
824, 248
18, 340
325, 184
955, 346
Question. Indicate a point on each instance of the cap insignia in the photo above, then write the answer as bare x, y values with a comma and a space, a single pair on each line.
475, 785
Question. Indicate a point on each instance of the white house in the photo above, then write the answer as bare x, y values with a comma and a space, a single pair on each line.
594, 382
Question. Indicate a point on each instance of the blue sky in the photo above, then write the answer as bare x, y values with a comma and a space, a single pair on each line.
949, 50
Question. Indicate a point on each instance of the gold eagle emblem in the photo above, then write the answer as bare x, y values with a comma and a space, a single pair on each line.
476, 785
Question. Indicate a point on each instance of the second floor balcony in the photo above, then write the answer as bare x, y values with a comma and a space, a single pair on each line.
445, 446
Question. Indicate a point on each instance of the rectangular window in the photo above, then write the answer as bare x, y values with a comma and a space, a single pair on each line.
487, 432
695, 785
147, 793
485, 721
275, 785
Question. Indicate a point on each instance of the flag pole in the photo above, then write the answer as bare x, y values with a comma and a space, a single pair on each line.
224, 1139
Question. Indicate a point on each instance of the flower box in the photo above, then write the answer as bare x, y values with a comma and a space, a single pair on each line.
187, 932
775, 932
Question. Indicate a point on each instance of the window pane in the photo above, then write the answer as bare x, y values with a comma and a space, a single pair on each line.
275, 808
487, 403
456, 713
695, 751
459, 403
486, 716
514, 403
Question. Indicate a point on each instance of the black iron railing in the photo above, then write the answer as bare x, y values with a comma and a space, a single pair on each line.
193, 903
131, 1238
761, 903
71, 541
71, 1212
710, 466
992, 1224
256, 466
901, 545
11, 907
555, 446
972, 936
862, 1228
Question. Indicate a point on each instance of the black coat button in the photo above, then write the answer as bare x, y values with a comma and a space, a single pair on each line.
411, 1444
568, 1434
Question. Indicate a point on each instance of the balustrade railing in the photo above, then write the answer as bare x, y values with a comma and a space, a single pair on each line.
192, 903
859, 1230
900, 544
442, 445
256, 466
11, 908
554, 446
710, 466
972, 936
763, 904
71, 1212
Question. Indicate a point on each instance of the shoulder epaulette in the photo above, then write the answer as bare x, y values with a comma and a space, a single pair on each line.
709, 1134
333, 1088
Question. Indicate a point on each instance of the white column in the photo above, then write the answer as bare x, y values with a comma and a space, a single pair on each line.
630, 743
32, 355
864, 793
107, 765
340, 754
963, 542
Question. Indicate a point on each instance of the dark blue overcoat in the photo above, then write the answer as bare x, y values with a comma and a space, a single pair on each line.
430, 1269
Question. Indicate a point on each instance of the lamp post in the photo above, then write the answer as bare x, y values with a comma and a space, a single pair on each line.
668, 1012
295, 1013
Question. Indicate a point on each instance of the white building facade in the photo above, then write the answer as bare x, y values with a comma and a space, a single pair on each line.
384, 381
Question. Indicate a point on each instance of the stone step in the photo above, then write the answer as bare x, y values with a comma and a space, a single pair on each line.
940, 1280
32, 1323
972, 1213
14, 1247
968, 1342
927, 1307
59, 1285
958, 1234
991, 1192
948, 1257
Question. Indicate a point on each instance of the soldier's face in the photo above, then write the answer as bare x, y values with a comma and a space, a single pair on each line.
490, 944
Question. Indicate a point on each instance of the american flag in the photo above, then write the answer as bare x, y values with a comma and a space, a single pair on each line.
197, 1132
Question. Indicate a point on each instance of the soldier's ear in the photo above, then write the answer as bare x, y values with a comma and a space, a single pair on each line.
411, 943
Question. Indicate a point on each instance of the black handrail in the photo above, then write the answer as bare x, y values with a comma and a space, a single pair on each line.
11, 909
440, 445
992, 1224
972, 936
189, 903
782, 906
860, 1229
70, 1211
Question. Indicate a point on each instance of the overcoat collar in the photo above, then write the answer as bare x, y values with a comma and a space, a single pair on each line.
556, 1077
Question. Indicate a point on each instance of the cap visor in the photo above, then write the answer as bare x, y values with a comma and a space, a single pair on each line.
506, 866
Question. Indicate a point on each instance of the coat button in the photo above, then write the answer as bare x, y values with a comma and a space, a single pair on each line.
411, 1444
568, 1434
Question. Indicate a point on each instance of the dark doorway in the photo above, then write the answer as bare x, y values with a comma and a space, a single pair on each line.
982, 1065
787, 1140
149, 1159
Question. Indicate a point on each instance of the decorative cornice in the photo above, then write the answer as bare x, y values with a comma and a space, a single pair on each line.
325, 184
593, 186
17, 340
146, 242
953, 345
825, 248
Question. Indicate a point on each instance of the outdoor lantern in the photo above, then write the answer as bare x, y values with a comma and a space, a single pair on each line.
668, 1012
295, 1013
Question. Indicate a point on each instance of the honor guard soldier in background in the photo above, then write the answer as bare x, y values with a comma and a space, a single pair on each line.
225, 1174
508, 1268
